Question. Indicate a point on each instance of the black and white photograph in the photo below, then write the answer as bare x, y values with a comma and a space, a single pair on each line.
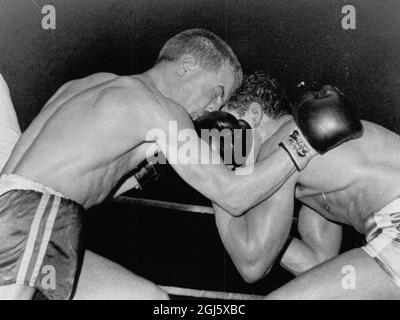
206, 152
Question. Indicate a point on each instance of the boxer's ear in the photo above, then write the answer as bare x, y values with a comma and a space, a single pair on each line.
187, 63
255, 114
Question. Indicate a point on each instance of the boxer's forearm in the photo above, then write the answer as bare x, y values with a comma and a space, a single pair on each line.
247, 190
238, 242
233, 232
211, 178
237, 191
234, 191
320, 241
250, 240
273, 168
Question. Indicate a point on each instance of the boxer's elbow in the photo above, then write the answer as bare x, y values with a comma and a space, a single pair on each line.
233, 209
239, 206
227, 198
255, 264
231, 206
235, 195
228, 192
236, 202
253, 271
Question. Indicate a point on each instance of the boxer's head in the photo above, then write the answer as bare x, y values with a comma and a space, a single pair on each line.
260, 102
201, 71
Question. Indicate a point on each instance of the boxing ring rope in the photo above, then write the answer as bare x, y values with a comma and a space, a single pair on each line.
150, 203
164, 205
221, 295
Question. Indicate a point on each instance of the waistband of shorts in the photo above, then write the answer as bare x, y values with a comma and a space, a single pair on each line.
391, 207
12, 181
382, 218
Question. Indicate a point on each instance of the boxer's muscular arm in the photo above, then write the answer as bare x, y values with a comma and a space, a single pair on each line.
255, 239
320, 241
234, 192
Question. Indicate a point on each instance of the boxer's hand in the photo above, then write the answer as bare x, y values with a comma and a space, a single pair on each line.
233, 138
325, 119
149, 171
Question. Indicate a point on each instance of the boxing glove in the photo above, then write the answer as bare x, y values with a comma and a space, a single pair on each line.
325, 119
149, 171
235, 145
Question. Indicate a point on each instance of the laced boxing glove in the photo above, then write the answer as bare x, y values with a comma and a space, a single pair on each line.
150, 171
325, 119
236, 143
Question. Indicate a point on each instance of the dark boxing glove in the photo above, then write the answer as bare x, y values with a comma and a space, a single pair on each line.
243, 139
325, 119
153, 170
149, 171
232, 141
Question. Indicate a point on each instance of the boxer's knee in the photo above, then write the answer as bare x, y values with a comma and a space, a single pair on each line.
163, 296
156, 293
141, 289
102, 279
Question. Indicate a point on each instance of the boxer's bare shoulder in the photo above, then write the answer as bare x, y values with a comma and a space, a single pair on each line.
76, 86
363, 172
137, 100
375, 153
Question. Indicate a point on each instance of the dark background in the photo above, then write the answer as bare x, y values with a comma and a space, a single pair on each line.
293, 40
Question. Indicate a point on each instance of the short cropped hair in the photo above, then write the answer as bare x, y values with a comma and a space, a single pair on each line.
210, 51
261, 88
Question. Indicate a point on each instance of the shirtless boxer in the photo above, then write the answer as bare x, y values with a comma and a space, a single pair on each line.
89, 135
358, 184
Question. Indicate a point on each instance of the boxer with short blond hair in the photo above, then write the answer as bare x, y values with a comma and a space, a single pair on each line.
93, 132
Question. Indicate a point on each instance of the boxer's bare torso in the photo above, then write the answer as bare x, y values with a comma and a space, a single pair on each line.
347, 185
351, 181
82, 142
357, 178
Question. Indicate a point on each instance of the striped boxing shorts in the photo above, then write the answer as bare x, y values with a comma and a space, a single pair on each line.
383, 239
40, 232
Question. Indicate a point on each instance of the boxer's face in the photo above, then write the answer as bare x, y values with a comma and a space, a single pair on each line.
206, 91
